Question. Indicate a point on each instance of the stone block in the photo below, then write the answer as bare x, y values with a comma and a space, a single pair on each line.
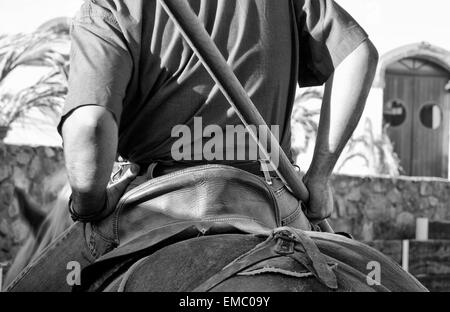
24, 156
6, 195
394, 196
4, 228
378, 186
376, 207
352, 209
433, 201
13, 210
49, 152
405, 219
442, 212
19, 231
340, 206
35, 168
20, 178
426, 188
5, 171
354, 195
50, 166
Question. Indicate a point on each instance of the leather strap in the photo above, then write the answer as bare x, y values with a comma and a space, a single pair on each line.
286, 242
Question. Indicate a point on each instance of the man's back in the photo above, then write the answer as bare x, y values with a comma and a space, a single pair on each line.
169, 86
137, 65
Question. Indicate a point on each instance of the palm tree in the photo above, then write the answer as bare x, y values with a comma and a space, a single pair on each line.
41, 48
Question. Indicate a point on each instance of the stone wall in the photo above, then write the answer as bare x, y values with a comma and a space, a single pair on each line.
37, 170
370, 208
378, 208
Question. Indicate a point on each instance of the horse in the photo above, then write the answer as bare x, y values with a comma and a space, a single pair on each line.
44, 228
214, 256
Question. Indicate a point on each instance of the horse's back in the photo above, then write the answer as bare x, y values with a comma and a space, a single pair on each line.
187, 265
375, 267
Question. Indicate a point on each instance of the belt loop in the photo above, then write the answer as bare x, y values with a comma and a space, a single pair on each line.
265, 168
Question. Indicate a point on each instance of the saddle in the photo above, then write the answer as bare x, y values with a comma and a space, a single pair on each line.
209, 193
201, 200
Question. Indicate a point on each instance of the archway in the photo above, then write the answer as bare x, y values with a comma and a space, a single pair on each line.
416, 105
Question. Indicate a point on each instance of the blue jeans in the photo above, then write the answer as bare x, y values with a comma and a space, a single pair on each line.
58, 267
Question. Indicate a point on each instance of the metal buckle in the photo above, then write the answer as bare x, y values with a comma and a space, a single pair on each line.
286, 242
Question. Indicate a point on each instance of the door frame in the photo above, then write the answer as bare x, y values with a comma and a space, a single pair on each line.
422, 50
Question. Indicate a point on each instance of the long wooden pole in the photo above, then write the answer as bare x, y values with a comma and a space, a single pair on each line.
210, 56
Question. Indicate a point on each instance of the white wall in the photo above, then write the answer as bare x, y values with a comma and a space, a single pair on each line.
394, 23
26, 15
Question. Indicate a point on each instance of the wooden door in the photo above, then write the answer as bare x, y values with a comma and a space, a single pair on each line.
416, 109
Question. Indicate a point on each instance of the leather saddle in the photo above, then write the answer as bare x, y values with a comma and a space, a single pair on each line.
215, 193
201, 200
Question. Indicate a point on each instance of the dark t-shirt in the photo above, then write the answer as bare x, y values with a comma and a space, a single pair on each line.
127, 56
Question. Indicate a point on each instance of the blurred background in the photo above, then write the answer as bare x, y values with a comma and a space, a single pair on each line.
391, 184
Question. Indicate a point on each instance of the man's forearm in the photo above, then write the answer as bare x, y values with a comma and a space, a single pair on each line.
343, 103
90, 146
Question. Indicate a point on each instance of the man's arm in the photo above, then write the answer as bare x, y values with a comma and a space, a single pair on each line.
343, 103
90, 137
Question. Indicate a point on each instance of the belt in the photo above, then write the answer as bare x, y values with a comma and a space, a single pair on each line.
161, 168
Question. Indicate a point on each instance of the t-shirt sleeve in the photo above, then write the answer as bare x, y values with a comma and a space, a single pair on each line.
327, 35
100, 63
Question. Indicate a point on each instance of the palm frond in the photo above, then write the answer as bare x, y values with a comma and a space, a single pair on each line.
35, 49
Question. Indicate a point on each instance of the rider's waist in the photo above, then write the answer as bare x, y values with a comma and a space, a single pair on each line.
160, 168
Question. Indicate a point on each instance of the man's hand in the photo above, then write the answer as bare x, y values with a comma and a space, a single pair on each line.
115, 190
320, 203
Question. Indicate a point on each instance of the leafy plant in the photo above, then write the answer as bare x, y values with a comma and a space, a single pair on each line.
36, 49
305, 121
375, 151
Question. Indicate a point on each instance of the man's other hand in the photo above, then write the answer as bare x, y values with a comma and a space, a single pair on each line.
320, 203
117, 187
